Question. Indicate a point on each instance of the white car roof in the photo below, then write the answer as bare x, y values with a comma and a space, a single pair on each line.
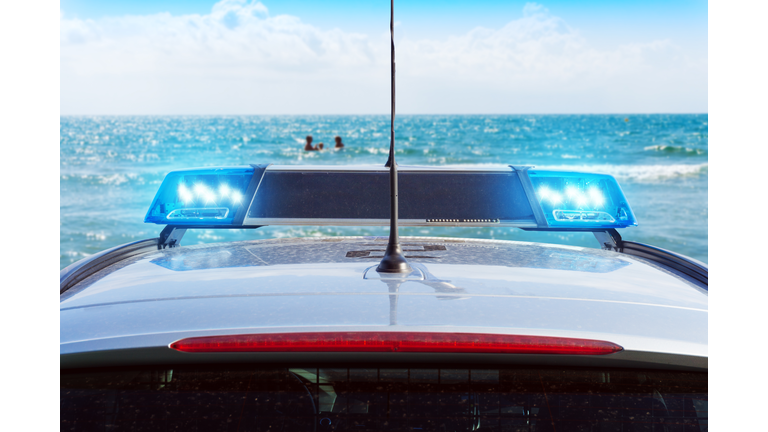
460, 285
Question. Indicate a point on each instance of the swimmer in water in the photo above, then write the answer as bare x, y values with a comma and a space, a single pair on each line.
309, 147
338, 142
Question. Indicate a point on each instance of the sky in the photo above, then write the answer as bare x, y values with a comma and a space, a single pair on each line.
332, 57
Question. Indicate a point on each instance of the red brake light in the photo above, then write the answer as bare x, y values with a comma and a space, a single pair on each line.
414, 342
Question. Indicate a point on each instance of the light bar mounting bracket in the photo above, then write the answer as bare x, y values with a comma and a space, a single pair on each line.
170, 237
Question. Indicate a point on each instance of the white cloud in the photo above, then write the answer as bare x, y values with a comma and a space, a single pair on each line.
239, 59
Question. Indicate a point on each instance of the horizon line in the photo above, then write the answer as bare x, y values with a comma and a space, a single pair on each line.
378, 114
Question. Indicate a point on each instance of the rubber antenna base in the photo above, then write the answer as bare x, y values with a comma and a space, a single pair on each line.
393, 261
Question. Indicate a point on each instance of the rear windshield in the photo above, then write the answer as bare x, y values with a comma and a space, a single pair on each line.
228, 398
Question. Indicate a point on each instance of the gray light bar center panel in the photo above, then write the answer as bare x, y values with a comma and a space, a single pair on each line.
288, 196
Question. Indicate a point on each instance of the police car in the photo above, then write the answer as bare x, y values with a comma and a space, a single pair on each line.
313, 334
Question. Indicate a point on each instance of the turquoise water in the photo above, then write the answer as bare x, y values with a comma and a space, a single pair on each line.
111, 167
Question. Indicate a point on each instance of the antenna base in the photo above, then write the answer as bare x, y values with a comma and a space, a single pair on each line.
394, 261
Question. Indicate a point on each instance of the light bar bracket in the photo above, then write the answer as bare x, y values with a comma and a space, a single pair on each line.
609, 239
170, 237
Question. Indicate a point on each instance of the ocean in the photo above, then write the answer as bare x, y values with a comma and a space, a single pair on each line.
111, 167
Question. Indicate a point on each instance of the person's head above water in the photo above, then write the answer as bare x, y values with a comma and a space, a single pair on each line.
339, 144
308, 146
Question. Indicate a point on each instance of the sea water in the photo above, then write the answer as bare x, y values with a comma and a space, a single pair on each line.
111, 167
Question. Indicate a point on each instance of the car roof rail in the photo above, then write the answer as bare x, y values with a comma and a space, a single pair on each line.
76, 272
690, 267
610, 239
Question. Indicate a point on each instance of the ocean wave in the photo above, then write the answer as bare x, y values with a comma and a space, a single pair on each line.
677, 150
96, 235
115, 179
638, 173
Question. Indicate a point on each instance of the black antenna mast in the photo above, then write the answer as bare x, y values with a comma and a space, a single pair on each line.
393, 261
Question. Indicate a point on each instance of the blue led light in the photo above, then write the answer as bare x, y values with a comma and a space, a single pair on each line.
581, 200
206, 196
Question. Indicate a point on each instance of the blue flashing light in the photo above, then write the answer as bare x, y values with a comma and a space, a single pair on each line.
581, 200
206, 196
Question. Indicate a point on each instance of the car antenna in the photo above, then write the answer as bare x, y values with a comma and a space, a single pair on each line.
393, 261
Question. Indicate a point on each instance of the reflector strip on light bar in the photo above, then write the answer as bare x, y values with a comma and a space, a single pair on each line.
409, 342
198, 213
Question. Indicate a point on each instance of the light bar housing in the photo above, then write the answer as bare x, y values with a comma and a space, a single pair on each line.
359, 196
404, 342
202, 197
573, 200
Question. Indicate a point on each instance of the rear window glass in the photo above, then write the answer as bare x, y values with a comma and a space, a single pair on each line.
231, 398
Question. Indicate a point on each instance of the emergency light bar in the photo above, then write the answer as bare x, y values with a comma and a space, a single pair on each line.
206, 196
258, 195
570, 199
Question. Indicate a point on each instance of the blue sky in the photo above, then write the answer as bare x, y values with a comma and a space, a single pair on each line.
560, 56
604, 21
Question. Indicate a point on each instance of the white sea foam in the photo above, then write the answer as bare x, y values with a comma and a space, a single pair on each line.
116, 179
675, 149
638, 173
208, 235
96, 235
106, 179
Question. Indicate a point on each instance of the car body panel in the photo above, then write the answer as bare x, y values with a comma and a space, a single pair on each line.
460, 285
